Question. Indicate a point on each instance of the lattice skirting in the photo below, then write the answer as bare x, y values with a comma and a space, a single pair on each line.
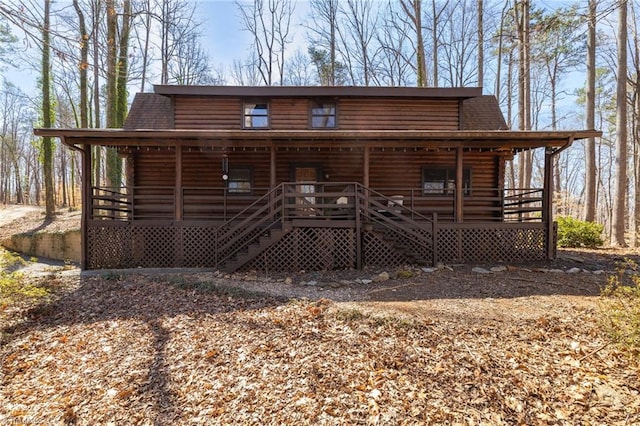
487, 244
122, 245
309, 249
127, 245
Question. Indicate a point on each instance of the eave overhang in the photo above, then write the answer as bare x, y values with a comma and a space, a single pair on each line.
498, 139
319, 91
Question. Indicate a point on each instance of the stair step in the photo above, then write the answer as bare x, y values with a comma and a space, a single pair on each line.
265, 241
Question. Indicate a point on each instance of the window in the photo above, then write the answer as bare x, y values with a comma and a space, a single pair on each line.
442, 180
240, 180
256, 115
323, 115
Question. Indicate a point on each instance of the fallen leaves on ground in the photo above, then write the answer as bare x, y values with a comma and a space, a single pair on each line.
137, 350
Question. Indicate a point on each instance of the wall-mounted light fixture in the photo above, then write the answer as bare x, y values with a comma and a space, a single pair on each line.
225, 167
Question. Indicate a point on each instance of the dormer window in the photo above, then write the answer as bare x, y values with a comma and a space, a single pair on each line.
256, 115
323, 115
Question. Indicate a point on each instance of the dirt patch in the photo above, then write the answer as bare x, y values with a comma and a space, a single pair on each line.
31, 219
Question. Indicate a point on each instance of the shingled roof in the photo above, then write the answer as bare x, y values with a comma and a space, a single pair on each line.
150, 111
482, 113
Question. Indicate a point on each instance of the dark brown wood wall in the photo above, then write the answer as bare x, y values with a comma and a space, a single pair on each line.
200, 112
393, 172
154, 167
402, 169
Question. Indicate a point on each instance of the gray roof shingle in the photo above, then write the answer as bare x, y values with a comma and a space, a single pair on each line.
482, 113
150, 111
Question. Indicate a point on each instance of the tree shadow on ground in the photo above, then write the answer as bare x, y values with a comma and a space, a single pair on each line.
146, 300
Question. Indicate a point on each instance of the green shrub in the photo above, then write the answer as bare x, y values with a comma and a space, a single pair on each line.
578, 233
621, 307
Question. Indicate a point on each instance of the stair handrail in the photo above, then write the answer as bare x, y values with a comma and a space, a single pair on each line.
273, 217
394, 225
397, 206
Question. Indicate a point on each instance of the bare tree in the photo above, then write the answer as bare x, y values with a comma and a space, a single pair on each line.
620, 180
83, 66
590, 107
322, 37
480, 25
413, 11
47, 114
298, 71
269, 22
356, 33
191, 64
397, 66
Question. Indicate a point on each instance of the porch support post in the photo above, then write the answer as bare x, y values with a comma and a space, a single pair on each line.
86, 204
459, 208
547, 200
366, 159
365, 167
179, 201
272, 169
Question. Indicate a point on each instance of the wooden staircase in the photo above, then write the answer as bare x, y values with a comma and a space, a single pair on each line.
402, 248
247, 236
402, 231
269, 238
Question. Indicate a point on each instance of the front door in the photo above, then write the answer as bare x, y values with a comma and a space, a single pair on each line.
304, 178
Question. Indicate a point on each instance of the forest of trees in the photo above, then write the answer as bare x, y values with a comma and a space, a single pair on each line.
552, 65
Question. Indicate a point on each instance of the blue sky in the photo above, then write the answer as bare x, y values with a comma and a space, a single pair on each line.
224, 38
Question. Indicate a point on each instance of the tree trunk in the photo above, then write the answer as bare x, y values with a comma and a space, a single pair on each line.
145, 50
480, 44
434, 35
590, 144
97, 151
123, 66
620, 180
113, 163
83, 66
47, 115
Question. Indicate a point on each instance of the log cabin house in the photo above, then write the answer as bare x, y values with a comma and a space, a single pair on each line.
314, 178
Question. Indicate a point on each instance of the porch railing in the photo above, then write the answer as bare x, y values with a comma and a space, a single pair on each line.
319, 200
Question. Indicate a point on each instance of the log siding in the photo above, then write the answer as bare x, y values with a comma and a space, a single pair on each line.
202, 113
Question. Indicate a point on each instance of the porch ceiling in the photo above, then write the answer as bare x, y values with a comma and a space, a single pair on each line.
496, 139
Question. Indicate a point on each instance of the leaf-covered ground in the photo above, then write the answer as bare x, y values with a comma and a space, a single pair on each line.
145, 350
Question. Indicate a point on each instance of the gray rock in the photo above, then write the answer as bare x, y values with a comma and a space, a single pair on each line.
366, 281
556, 271
573, 270
479, 270
598, 272
429, 270
383, 276
499, 269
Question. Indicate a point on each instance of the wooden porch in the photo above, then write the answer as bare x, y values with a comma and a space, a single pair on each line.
313, 226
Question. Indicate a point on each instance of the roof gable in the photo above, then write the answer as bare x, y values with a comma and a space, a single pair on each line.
150, 111
482, 113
